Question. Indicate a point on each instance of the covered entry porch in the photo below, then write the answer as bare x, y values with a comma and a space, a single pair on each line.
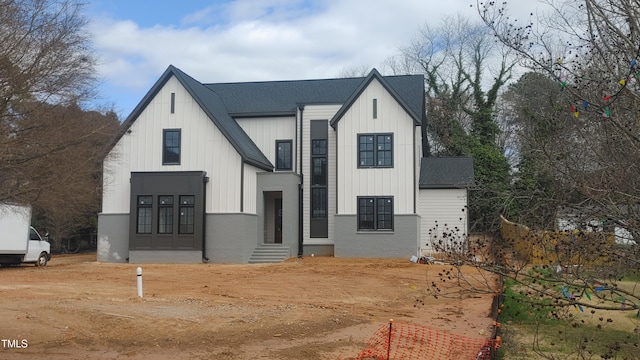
277, 206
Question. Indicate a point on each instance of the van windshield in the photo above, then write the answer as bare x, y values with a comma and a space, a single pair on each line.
33, 235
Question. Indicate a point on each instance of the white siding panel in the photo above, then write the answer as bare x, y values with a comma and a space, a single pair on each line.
250, 188
441, 210
265, 131
203, 148
397, 181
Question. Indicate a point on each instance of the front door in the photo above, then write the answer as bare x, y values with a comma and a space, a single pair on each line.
278, 221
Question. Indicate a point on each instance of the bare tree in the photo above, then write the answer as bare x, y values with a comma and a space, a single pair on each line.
590, 50
463, 78
48, 145
355, 71
576, 185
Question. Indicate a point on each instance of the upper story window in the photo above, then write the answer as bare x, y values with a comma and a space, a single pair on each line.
319, 147
171, 147
283, 154
375, 150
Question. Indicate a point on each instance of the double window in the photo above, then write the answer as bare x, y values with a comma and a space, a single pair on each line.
375, 150
375, 213
171, 147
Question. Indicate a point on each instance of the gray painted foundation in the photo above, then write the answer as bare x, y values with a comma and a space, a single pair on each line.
317, 250
113, 237
165, 256
230, 238
402, 242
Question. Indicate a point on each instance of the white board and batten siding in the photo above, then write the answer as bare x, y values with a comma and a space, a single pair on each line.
203, 148
264, 131
319, 112
441, 210
398, 181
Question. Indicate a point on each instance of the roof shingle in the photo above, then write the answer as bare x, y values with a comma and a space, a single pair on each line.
446, 172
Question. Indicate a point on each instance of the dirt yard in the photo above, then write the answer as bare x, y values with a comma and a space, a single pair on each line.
311, 308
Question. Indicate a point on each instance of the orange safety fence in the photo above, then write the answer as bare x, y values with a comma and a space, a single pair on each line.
409, 341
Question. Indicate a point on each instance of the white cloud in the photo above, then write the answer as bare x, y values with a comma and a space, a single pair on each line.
248, 40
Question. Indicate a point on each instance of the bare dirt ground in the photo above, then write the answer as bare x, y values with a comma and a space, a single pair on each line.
311, 308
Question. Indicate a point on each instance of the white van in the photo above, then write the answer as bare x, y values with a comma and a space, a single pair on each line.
19, 241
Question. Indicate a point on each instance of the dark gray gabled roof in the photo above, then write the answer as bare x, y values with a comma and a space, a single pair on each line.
283, 97
409, 95
212, 105
446, 172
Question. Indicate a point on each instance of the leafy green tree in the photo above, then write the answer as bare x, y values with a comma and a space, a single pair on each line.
461, 113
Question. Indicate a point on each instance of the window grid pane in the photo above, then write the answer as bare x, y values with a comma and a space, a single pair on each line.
319, 202
145, 213
385, 150
165, 214
283, 155
366, 214
385, 214
319, 147
171, 147
187, 214
319, 171
366, 153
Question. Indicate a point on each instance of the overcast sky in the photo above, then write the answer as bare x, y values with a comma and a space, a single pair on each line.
250, 40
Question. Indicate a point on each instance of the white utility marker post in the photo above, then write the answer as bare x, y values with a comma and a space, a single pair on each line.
139, 271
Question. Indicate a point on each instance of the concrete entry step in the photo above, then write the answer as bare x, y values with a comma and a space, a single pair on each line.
269, 253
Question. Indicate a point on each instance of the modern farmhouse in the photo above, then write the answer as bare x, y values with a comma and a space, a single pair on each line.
264, 171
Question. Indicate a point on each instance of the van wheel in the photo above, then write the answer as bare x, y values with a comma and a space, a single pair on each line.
42, 259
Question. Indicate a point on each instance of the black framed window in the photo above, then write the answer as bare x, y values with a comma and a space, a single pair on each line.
319, 171
375, 213
319, 147
171, 146
319, 222
375, 150
165, 214
384, 213
283, 154
187, 214
365, 150
319, 202
145, 214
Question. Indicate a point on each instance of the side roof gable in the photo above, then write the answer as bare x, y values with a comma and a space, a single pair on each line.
211, 104
402, 100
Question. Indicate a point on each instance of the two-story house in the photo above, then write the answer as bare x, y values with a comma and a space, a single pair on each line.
262, 171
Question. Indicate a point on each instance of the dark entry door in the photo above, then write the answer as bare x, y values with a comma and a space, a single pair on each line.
278, 218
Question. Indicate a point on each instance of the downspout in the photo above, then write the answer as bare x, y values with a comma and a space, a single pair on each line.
205, 180
300, 186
